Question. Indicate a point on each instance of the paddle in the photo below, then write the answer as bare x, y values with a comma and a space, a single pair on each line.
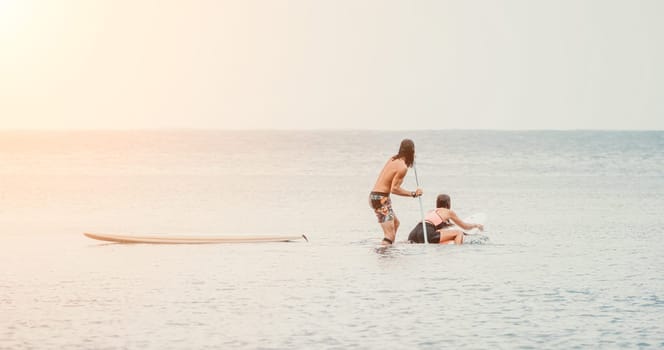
424, 226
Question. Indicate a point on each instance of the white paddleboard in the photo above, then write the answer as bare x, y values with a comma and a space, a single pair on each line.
191, 239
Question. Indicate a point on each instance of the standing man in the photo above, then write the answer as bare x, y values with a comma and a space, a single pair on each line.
389, 181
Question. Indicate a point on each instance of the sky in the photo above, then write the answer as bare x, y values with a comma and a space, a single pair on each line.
332, 64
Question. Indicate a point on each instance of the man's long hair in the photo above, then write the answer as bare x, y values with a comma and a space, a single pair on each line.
407, 152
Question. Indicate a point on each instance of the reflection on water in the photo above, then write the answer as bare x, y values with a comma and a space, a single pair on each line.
571, 257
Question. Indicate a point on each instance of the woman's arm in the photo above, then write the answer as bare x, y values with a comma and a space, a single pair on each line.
464, 225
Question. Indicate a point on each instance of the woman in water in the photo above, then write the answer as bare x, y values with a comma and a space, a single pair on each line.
437, 221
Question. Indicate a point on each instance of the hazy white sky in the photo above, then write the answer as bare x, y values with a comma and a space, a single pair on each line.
360, 64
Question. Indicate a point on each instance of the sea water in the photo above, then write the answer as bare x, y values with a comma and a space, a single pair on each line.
573, 255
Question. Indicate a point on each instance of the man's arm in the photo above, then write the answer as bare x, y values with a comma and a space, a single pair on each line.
398, 180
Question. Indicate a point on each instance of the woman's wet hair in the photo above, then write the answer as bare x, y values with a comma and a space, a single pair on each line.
443, 201
407, 152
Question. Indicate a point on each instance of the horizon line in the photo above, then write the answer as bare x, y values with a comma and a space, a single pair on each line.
313, 129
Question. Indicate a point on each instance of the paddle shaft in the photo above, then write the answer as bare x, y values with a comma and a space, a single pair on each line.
424, 226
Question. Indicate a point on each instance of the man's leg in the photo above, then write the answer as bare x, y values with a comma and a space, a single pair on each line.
388, 221
389, 231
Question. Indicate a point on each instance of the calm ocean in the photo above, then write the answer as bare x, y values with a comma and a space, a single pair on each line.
573, 255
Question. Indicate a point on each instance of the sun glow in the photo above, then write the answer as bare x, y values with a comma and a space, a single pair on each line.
13, 17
